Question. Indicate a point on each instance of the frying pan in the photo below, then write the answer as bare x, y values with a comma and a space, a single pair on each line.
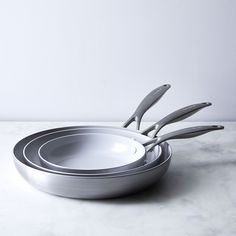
85, 187
173, 117
69, 154
114, 161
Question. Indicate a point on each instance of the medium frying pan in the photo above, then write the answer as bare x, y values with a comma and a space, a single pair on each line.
96, 153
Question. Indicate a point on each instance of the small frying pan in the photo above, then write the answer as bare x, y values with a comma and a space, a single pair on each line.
98, 153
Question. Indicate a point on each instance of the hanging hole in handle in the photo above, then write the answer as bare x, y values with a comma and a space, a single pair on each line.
218, 126
166, 85
207, 103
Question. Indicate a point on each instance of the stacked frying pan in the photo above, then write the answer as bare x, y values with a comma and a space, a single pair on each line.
95, 162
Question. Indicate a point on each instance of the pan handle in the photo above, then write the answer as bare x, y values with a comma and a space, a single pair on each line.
182, 134
175, 116
152, 98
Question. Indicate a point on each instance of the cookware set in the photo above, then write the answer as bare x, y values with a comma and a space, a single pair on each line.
97, 162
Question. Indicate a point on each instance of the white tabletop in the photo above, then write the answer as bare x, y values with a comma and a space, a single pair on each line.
196, 197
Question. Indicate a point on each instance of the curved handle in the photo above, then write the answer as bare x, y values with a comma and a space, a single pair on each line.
182, 134
152, 98
175, 116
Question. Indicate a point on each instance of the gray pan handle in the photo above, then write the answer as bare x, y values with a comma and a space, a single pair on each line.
175, 116
152, 98
182, 134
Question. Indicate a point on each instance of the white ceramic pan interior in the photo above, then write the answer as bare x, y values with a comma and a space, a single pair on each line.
93, 151
30, 150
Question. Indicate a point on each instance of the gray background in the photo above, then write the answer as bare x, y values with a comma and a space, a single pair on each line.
95, 60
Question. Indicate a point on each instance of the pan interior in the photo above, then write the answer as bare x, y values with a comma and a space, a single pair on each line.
91, 151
